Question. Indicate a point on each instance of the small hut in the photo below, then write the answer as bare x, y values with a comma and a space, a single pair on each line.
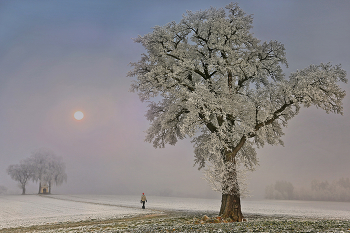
44, 189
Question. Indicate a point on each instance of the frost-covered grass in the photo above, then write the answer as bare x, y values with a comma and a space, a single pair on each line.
255, 224
111, 213
191, 222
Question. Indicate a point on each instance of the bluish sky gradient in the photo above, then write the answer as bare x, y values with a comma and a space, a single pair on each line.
58, 57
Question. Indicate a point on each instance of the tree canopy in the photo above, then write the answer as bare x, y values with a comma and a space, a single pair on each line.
48, 168
22, 173
224, 88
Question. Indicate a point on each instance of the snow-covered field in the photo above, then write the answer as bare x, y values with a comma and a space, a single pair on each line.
26, 210
18, 210
304, 209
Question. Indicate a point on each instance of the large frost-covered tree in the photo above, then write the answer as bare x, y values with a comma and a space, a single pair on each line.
219, 85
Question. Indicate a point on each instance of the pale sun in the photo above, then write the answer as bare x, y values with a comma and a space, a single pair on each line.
78, 115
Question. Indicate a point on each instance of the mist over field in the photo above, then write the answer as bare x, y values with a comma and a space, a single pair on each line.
59, 57
336, 190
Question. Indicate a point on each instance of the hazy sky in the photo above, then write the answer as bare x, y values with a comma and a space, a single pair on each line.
57, 57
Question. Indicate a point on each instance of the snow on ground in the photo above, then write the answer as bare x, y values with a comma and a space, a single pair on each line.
310, 209
26, 210
154, 202
294, 208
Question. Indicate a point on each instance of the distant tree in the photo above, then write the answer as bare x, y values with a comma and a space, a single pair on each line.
337, 190
342, 189
40, 159
319, 185
22, 173
269, 190
48, 168
344, 183
282, 189
3, 189
285, 188
224, 88
56, 171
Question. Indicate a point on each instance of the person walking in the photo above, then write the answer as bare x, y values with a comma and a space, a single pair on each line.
143, 200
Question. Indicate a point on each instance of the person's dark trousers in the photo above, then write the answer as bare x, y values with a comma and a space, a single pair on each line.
143, 204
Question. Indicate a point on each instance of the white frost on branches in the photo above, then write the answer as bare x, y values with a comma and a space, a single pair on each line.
49, 168
225, 89
43, 166
235, 176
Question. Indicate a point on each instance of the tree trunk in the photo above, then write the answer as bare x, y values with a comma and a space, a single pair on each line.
39, 187
231, 199
231, 207
23, 189
49, 187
